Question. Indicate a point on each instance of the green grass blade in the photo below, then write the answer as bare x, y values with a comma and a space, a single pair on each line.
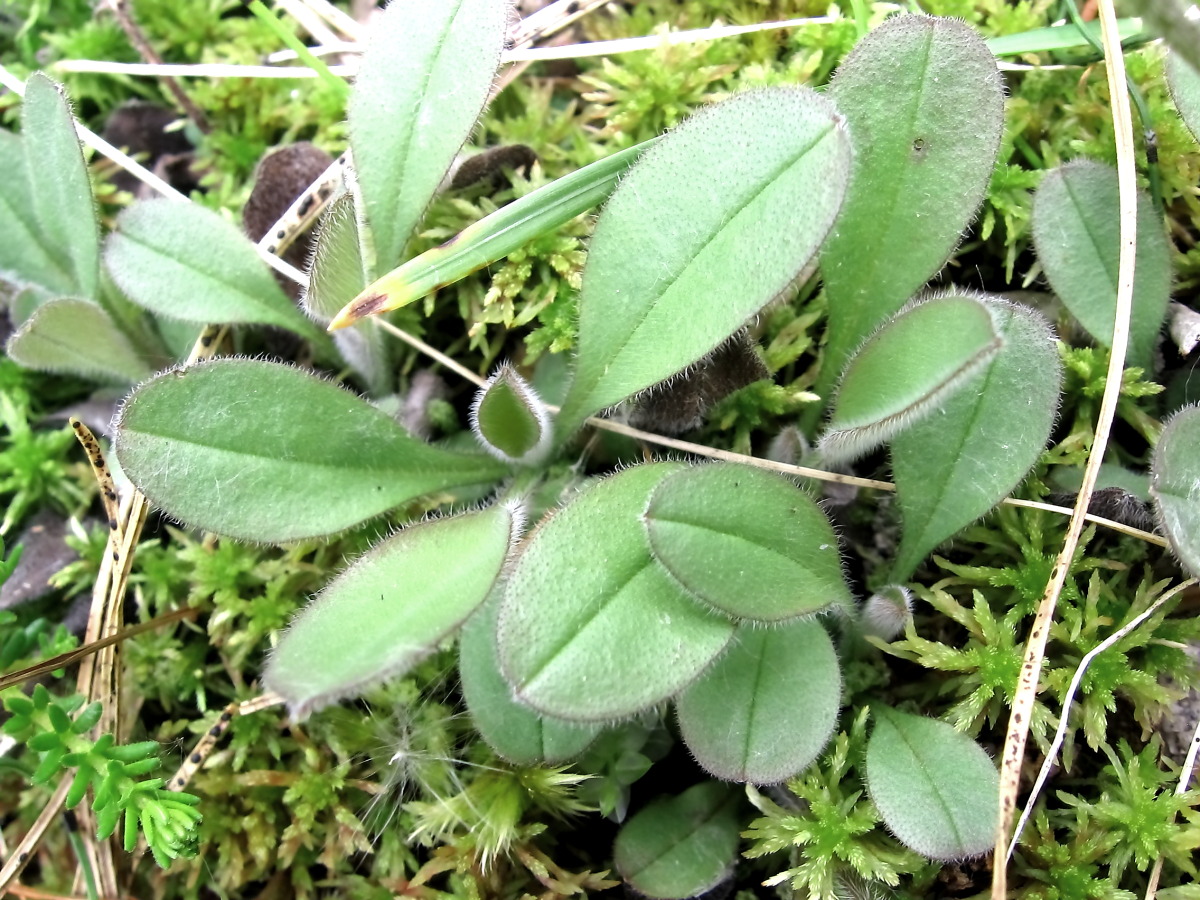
493, 237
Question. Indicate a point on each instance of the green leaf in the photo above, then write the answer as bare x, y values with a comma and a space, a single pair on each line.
1175, 485
337, 274
390, 609
183, 261
25, 255
935, 788
1056, 37
1184, 82
510, 420
680, 846
713, 249
78, 337
519, 734
591, 628
266, 452
492, 237
765, 709
924, 150
952, 468
425, 76
1170, 18
1076, 231
747, 542
907, 370
59, 185
338, 271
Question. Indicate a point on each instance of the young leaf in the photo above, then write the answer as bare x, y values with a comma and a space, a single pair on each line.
680, 846
952, 468
747, 542
59, 185
924, 150
425, 76
765, 709
518, 733
712, 250
591, 627
1076, 234
266, 452
338, 272
935, 788
390, 609
492, 237
1184, 83
25, 255
1175, 485
907, 370
510, 420
183, 261
76, 336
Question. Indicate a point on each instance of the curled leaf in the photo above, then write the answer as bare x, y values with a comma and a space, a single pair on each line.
907, 370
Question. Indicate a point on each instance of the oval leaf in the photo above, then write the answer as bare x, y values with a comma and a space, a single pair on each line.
952, 468
907, 370
184, 261
1077, 236
59, 185
76, 336
1175, 485
713, 249
510, 420
390, 609
516, 732
935, 788
591, 628
25, 255
747, 542
920, 168
1184, 82
680, 846
266, 452
765, 709
425, 76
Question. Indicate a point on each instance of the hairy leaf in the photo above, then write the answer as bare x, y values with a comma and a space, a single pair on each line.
711, 251
680, 846
765, 709
591, 627
185, 262
1076, 231
59, 185
25, 254
953, 467
423, 80
510, 420
907, 370
266, 452
390, 609
519, 734
76, 336
935, 788
1184, 82
338, 272
747, 542
924, 150
1175, 485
